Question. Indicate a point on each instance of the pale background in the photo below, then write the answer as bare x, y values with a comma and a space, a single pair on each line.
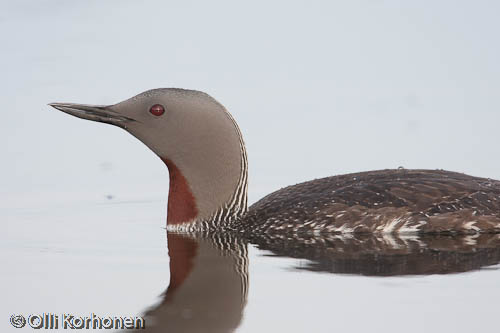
318, 88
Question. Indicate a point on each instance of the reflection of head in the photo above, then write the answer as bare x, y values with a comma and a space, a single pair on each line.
208, 286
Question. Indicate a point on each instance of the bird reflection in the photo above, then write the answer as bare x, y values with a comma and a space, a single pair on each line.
209, 273
387, 254
208, 285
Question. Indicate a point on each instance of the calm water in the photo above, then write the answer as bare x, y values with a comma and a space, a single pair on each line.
112, 257
318, 88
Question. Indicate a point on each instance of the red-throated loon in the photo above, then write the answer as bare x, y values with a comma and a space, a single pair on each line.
203, 148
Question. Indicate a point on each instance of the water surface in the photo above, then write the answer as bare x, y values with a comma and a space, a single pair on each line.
113, 257
318, 88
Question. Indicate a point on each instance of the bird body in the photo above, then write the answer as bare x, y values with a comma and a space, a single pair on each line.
203, 148
386, 201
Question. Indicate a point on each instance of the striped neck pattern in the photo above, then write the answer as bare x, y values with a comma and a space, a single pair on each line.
232, 210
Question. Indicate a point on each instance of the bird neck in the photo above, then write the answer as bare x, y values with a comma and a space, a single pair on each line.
182, 206
208, 187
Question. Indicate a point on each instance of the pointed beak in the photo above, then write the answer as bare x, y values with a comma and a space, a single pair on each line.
100, 113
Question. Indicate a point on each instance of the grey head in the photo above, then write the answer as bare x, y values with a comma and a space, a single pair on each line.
198, 140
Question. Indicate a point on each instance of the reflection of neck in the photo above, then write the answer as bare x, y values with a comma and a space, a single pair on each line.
208, 286
182, 252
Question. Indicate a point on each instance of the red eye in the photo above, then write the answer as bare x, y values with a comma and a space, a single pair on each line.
157, 110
